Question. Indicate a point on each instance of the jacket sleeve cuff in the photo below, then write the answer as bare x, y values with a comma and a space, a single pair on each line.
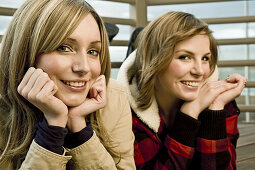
50, 137
184, 129
73, 140
213, 124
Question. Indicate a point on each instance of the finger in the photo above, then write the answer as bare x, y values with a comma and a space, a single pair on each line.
218, 87
215, 84
31, 82
236, 78
102, 89
25, 79
46, 92
39, 84
93, 92
97, 85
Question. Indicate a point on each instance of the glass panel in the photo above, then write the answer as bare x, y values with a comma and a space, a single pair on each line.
242, 117
11, 3
251, 7
110, 9
251, 29
252, 95
250, 100
124, 32
4, 20
228, 31
251, 74
225, 71
118, 53
201, 10
252, 51
114, 73
232, 52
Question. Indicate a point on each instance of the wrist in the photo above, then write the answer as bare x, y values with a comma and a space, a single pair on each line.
60, 121
216, 107
76, 124
190, 109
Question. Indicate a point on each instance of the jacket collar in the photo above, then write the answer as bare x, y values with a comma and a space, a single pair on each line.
149, 116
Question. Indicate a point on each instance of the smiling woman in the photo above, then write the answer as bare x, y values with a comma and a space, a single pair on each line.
181, 118
59, 109
75, 65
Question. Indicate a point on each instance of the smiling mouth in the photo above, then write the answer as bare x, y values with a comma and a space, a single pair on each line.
190, 83
74, 84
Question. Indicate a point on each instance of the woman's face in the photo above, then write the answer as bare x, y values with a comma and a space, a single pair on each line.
75, 65
188, 69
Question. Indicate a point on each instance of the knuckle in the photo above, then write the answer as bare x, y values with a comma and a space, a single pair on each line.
24, 93
31, 69
31, 96
40, 98
19, 89
39, 70
43, 74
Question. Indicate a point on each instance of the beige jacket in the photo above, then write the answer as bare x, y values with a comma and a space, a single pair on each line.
110, 147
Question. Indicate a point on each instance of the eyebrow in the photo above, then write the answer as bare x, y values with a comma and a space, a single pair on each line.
75, 41
189, 52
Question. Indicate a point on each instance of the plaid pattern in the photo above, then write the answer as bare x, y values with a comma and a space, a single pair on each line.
214, 151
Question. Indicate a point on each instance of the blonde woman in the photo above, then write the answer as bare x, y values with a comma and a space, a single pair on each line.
181, 120
58, 107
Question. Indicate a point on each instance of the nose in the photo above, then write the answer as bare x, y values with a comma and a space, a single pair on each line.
81, 64
197, 68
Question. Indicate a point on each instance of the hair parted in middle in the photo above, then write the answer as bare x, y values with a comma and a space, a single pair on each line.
155, 49
37, 27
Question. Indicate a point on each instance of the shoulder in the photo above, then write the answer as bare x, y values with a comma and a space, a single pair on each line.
116, 97
117, 106
116, 86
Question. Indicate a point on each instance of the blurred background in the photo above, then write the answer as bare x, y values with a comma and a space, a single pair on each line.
232, 23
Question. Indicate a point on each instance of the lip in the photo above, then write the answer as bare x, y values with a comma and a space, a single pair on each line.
75, 88
191, 84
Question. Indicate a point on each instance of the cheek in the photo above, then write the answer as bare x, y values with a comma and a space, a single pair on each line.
207, 71
95, 69
51, 64
176, 69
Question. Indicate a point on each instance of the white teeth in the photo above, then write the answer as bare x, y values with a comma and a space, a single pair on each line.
190, 83
75, 84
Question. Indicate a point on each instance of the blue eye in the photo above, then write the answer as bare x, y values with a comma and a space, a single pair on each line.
93, 52
64, 48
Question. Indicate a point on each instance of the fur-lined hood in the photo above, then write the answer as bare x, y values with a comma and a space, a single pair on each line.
150, 115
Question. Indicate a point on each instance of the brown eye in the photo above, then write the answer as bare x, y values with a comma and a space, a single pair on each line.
64, 48
93, 52
183, 57
205, 58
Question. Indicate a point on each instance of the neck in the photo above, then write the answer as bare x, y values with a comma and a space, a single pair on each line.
167, 104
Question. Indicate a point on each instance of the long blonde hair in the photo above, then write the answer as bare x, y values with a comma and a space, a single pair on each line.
38, 26
155, 49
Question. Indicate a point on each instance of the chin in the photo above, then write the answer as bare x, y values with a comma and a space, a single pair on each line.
188, 98
72, 103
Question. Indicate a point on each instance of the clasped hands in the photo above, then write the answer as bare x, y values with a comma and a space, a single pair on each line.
37, 87
214, 95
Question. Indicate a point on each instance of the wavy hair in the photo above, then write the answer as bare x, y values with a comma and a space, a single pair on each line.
37, 27
156, 44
